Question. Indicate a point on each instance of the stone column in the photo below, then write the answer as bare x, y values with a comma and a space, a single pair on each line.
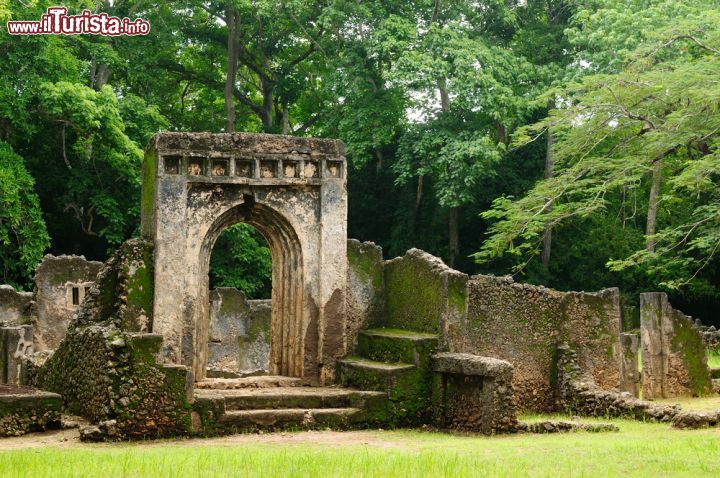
630, 377
15, 343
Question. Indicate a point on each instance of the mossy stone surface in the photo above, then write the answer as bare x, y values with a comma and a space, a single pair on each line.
394, 345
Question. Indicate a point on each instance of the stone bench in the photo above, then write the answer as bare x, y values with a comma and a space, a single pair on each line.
473, 393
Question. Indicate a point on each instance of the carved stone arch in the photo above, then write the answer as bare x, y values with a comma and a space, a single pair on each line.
287, 342
294, 191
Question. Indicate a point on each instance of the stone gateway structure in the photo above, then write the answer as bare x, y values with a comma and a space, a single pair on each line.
142, 348
293, 190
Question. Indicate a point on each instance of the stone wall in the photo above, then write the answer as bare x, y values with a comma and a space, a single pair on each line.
423, 294
366, 289
240, 332
106, 369
674, 360
523, 324
15, 306
26, 410
16, 343
61, 284
494, 317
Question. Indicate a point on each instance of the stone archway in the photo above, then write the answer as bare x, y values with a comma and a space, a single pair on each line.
293, 190
287, 343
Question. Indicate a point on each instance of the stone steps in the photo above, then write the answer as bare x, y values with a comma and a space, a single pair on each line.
367, 374
233, 406
396, 346
293, 397
301, 418
264, 381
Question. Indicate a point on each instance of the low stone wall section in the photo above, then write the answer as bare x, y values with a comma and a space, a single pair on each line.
24, 411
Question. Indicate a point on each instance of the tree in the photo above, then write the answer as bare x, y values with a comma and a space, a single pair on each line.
23, 235
657, 115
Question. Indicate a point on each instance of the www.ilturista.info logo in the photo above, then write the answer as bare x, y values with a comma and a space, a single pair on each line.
57, 22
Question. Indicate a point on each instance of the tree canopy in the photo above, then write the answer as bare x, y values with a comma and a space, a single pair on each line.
572, 144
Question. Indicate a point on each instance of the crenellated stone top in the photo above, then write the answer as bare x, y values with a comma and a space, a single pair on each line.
248, 158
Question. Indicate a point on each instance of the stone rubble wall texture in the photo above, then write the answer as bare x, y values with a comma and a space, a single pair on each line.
674, 360
578, 394
523, 324
365, 289
16, 307
496, 317
54, 279
473, 393
302, 218
29, 412
106, 369
423, 294
239, 332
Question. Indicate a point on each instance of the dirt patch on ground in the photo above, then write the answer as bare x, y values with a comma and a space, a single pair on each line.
71, 439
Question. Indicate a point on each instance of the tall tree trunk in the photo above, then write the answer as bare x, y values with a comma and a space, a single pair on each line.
547, 235
652, 205
99, 75
266, 112
232, 18
286, 120
453, 219
454, 243
380, 160
502, 136
444, 96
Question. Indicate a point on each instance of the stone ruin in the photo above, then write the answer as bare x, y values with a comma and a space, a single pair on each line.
141, 347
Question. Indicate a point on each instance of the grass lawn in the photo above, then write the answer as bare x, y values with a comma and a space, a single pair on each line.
639, 449
713, 359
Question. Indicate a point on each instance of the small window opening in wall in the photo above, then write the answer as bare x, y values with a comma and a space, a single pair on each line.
76, 295
86, 289
195, 167
268, 169
244, 168
172, 164
334, 168
220, 167
311, 169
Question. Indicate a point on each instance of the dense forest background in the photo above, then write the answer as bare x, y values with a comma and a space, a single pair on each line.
571, 143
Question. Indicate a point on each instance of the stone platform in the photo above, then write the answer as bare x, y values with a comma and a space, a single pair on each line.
224, 406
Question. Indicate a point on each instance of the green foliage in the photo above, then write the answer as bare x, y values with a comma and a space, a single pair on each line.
241, 259
23, 235
610, 131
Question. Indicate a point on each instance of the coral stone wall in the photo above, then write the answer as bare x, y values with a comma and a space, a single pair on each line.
674, 361
366, 289
239, 332
15, 306
422, 293
523, 324
106, 368
61, 284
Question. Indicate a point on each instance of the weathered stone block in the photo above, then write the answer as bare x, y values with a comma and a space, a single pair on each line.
365, 289
674, 360
473, 393
422, 293
15, 306
630, 349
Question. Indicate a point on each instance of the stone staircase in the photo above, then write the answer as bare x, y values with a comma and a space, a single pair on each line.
271, 403
397, 362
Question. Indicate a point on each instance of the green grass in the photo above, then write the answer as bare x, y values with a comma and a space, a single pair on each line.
639, 449
713, 359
